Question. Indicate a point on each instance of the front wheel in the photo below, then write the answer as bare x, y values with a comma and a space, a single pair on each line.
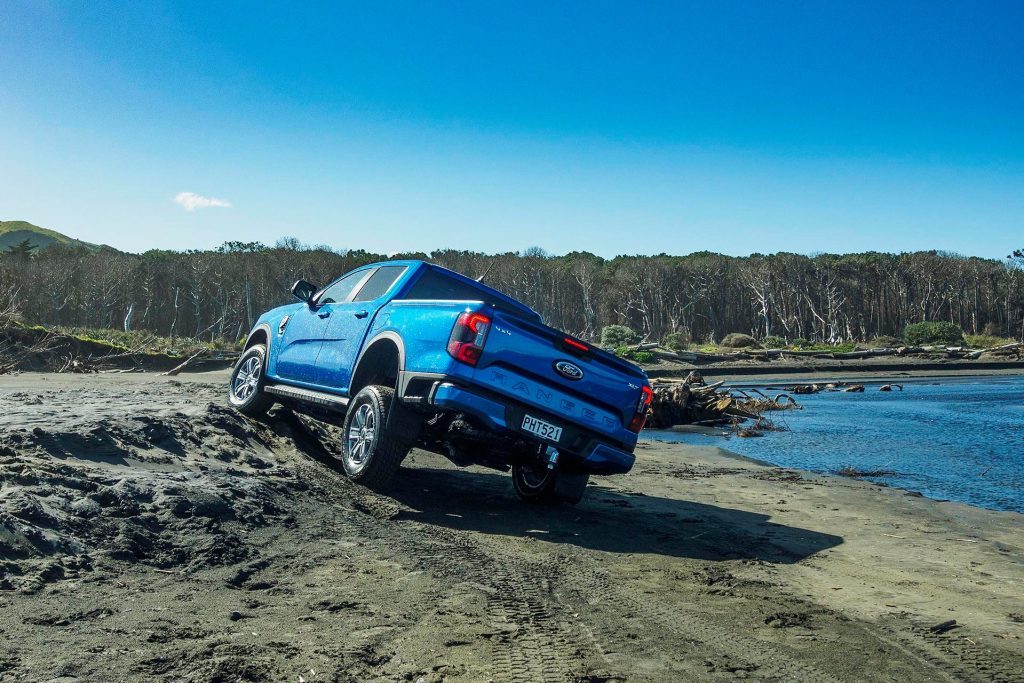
371, 453
538, 484
245, 391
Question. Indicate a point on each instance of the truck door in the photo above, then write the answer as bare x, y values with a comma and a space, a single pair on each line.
349, 324
303, 336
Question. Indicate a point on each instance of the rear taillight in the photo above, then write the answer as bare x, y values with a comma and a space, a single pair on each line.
640, 417
468, 336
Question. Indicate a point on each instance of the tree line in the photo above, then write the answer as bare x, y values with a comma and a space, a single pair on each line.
218, 294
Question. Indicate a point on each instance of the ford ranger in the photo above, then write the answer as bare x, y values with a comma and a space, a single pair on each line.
406, 353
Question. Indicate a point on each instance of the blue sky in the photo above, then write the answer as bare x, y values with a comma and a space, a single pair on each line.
608, 127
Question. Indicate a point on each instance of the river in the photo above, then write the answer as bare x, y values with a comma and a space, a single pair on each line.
949, 439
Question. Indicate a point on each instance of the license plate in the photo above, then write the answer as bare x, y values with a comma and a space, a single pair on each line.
544, 430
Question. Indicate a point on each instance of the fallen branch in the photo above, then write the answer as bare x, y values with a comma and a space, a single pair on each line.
178, 368
943, 627
644, 346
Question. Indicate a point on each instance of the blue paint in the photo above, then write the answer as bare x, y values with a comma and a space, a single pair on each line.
413, 305
300, 343
959, 440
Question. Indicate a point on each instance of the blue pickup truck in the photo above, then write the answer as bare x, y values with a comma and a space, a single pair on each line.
406, 353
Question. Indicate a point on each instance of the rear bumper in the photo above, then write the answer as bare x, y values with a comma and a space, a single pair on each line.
591, 455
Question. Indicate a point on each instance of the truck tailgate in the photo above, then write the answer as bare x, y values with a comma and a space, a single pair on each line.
521, 359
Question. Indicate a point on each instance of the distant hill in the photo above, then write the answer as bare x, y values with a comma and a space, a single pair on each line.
15, 232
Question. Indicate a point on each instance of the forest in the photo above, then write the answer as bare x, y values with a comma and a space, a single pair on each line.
218, 294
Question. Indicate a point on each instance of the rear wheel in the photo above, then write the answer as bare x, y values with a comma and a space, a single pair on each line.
245, 391
371, 453
539, 484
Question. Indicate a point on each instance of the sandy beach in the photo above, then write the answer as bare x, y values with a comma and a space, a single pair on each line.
147, 532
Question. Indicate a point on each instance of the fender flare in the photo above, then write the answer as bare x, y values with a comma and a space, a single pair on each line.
389, 335
400, 420
265, 328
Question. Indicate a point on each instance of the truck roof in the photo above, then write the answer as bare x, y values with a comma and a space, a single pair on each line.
491, 293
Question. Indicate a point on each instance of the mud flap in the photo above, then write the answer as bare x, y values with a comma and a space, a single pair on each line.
404, 423
569, 487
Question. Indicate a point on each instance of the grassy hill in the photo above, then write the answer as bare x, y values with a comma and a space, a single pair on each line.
14, 232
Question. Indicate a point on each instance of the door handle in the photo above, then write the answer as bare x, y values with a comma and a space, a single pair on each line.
324, 314
362, 314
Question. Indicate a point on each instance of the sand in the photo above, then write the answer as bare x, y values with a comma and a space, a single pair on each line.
792, 368
148, 532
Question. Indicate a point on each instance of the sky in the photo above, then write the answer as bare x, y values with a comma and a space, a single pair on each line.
614, 128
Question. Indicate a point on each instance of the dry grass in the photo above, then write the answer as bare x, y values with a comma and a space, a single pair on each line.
986, 341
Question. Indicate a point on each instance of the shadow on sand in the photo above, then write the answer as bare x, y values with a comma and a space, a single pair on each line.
606, 520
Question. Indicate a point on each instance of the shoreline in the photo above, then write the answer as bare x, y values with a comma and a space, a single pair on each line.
721, 454
869, 481
842, 435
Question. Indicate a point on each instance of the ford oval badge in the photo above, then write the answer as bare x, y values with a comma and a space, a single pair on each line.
569, 370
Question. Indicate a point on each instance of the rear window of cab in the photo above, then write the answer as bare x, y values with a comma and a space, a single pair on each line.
436, 286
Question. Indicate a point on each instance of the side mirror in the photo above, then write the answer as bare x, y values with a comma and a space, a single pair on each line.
304, 290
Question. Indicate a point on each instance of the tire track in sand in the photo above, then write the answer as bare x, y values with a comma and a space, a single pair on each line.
532, 641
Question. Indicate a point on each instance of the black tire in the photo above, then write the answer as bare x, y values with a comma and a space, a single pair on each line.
245, 392
373, 455
538, 484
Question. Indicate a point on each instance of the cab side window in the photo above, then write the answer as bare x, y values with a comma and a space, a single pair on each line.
339, 291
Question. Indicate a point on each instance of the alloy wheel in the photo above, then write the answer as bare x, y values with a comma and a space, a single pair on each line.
362, 432
247, 379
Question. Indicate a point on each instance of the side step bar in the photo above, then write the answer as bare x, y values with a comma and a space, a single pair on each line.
319, 398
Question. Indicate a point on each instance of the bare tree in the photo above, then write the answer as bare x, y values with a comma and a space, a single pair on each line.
826, 297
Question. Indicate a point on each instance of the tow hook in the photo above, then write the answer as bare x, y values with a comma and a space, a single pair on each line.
552, 456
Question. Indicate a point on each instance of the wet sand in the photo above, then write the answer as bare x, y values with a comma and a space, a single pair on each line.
147, 532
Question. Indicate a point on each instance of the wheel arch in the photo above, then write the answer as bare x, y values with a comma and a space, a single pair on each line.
260, 333
380, 361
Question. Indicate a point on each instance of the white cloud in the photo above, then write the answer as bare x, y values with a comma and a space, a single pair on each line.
191, 201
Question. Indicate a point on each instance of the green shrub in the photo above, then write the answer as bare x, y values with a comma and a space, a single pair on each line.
805, 345
832, 348
676, 341
931, 332
738, 340
614, 336
634, 355
774, 342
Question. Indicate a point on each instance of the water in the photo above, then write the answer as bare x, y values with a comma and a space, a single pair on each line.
957, 440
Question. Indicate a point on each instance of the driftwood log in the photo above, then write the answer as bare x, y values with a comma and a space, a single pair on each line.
805, 389
692, 402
